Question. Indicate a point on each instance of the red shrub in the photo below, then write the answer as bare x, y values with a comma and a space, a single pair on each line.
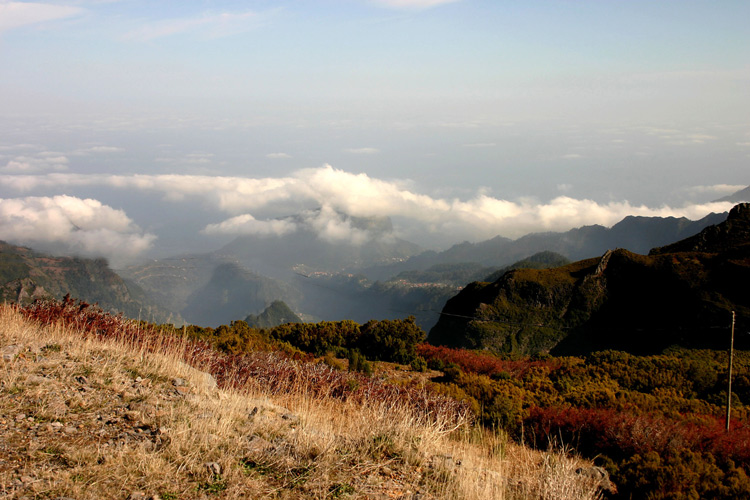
483, 364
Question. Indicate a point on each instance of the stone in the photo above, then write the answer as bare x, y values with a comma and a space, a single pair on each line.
179, 382
291, 418
36, 380
214, 468
598, 475
10, 352
257, 444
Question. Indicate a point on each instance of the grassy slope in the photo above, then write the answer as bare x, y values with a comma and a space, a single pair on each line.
106, 419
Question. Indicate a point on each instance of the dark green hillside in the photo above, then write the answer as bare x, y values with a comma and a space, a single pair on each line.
540, 260
26, 275
622, 300
278, 313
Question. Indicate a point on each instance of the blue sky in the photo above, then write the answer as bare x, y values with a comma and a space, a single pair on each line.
470, 118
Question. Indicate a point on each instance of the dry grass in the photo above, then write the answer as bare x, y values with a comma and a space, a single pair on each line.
99, 419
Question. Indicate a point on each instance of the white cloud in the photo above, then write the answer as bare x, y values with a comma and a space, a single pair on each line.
72, 225
17, 14
247, 224
363, 151
16, 147
412, 4
716, 189
327, 223
98, 150
480, 216
43, 162
208, 25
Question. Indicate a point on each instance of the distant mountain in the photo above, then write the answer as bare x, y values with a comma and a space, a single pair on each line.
324, 280
278, 313
231, 292
639, 234
368, 241
737, 197
248, 274
170, 282
26, 275
681, 294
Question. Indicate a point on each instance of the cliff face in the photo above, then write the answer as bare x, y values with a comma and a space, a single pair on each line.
26, 275
680, 294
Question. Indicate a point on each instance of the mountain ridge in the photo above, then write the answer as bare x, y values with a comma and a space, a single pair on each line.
27, 275
622, 300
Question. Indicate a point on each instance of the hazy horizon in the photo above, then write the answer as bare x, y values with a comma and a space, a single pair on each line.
133, 129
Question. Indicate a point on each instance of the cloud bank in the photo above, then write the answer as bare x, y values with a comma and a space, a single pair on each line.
72, 225
339, 192
209, 25
412, 4
17, 14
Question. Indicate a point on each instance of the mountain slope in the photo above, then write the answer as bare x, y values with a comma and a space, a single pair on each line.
638, 234
622, 300
126, 414
26, 275
738, 196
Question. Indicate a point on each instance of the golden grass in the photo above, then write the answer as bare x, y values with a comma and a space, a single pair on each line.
93, 419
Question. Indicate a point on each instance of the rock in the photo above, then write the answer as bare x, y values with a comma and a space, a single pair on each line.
257, 444
179, 382
133, 416
598, 475
182, 390
208, 381
10, 352
292, 418
36, 380
214, 468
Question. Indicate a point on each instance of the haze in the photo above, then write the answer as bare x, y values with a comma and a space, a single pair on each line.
134, 129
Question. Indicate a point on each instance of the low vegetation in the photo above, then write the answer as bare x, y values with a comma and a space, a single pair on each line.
93, 406
656, 423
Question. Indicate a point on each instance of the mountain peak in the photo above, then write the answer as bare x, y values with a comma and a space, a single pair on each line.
733, 232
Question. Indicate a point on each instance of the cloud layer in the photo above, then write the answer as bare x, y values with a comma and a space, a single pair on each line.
72, 225
17, 14
336, 191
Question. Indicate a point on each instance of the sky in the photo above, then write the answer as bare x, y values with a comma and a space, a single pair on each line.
135, 129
